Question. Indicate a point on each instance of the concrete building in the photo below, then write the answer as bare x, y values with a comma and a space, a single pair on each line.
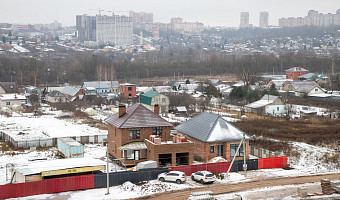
86, 27
114, 29
264, 19
314, 18
139, 18
177, 25
244, 22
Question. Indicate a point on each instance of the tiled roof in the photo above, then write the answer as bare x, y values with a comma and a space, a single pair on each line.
209, 127
137, 116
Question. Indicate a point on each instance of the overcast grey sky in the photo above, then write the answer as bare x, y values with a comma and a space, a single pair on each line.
210, 12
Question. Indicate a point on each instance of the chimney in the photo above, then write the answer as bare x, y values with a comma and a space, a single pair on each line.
156, 109
121, 110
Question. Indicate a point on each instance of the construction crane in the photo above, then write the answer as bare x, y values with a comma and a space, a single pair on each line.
99, 11
114, 11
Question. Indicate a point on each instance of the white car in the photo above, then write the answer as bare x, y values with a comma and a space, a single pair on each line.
174, 176
203, 177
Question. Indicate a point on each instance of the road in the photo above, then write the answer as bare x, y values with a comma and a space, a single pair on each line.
230, 188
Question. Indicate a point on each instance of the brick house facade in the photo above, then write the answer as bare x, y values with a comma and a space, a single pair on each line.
213, 136
295, 72
129, 141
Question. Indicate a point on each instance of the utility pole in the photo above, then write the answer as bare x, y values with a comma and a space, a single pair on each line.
244, 153
107, 169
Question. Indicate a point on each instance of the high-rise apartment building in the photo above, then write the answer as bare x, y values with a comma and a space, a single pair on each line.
105, 29
140, 18
244, 22
86, 27
264, 19
114, 29
177, 25
314, 18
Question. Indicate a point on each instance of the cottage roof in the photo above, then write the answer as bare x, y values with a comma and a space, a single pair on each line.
150, 93
7, 97
265, 100
137, 116
208, 127
296, 69
297, 84
71, 90
101, 84
307, 76
306, 88
55, 93
9, 87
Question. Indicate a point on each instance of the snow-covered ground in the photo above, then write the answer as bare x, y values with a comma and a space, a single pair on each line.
28, 127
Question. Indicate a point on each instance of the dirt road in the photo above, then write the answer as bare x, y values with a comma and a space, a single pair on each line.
230, 188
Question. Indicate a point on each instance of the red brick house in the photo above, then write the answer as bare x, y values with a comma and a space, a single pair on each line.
213, 136
128, 90
295, 72
136, 134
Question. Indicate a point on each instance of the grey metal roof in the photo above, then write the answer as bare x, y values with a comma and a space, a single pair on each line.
101, 84
209, 127
55, 93
297, 84
71, 90
137, 116
307, 76
296, 69
9, 87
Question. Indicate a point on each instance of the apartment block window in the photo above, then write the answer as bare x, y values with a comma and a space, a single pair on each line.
211, 149
157, 131
8, 103
134, 133
129, 88
233, 148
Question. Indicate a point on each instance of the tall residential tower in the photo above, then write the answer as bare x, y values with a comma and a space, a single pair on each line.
263, 19
244, 23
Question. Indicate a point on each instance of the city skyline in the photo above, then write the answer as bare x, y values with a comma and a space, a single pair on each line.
216, 13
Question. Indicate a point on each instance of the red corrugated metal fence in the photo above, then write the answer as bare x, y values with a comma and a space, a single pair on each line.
213, 167
46, 186
274, 162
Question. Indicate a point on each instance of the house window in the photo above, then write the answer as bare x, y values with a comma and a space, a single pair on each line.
8, 103
130, 95
316, 89
157, 131
123, 154
134, 133
129, 88
116, 90
233, 148
278, 108
130, 154
163, 100
211, 149
155, 100
163, 109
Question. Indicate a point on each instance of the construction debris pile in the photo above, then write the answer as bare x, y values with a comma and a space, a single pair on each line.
326, 186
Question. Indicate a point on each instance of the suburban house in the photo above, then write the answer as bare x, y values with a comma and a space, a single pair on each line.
268, 104
8, 100
151, 98
213, 136
302, 88
73, 92
102, 87
128, 90
8, 87
295, 72
278, 83
319, 78
136, 134
55, 97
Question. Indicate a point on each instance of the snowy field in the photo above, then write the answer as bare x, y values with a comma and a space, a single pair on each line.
28, 127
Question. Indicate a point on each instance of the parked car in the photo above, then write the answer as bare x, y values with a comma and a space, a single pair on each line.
174, 176
203, 177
